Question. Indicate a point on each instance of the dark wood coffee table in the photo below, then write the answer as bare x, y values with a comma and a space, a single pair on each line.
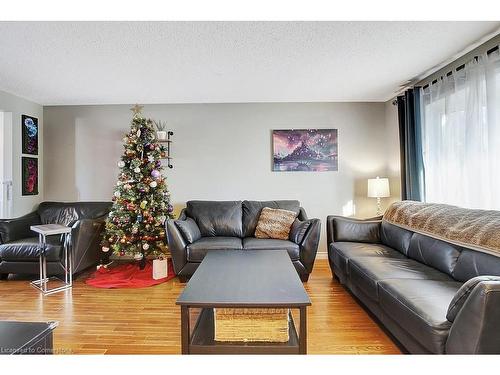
242, 279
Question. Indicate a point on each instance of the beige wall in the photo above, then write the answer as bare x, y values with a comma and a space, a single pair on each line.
18, 106
223, 152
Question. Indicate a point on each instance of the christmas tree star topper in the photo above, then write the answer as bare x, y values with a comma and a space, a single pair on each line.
137, 109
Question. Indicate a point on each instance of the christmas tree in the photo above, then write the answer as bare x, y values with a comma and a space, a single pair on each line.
141, 200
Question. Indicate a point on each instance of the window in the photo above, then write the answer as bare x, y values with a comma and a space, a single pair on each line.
461, 136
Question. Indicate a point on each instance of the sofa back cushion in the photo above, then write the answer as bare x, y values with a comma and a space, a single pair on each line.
348, 230
395, 237
252, 209
435, 253
68, 213
217, 218
472, 263
189, 229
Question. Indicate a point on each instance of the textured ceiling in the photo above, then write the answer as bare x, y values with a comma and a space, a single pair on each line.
58, 63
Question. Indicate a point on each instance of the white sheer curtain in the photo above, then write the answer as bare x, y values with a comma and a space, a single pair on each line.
461, 136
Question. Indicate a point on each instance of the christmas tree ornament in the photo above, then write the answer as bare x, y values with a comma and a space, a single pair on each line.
152, 184
121, 163
145, 246
155, 173
105, 249
137, 170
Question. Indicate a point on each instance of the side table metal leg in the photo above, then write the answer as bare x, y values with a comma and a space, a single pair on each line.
44, 264
70, 260
40, 258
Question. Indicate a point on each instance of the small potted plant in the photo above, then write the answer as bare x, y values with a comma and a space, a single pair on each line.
161, 133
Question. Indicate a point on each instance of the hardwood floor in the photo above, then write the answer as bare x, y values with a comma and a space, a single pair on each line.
147, 321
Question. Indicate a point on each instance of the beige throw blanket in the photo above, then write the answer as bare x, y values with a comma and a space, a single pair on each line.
474, 229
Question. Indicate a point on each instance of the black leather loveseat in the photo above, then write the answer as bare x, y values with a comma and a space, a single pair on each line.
425, 291
19, 245
230, 225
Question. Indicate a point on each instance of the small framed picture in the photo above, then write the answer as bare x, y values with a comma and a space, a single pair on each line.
29, 176
29, 135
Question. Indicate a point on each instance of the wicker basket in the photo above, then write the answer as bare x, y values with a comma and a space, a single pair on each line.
257, 325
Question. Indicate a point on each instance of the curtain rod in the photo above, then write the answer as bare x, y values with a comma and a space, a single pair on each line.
486, 44
460, 67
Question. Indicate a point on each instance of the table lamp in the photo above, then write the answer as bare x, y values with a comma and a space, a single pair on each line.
378, 188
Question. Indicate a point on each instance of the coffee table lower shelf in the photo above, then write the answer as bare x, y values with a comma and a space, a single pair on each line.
202, 340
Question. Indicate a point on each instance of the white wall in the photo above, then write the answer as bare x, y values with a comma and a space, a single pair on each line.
221, 152
18, 106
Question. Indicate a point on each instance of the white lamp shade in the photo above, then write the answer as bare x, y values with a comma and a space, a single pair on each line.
378, 187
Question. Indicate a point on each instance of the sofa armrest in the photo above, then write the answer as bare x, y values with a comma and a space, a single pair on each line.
309, 244
19, 228
85, 242
476, 326
176, 242
346, 229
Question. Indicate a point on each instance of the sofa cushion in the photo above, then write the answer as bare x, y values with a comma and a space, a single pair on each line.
189, 229
274, 223
349, 230
472, 263
340, 252
217, 218
435, 253
367, 272
197, 250
395, 237
68, 213
251, 212
419, 307
298, 230
251, 243
27, 250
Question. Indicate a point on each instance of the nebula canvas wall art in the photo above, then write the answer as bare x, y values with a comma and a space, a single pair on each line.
307, 150
29, 135
29, 176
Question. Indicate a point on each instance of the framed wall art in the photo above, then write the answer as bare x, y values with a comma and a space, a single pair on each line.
29, 135
29, 171
306, 150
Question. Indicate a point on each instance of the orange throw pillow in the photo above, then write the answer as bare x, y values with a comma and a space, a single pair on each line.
274, 223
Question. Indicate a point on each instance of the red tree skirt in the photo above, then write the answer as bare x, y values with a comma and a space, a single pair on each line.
127, 276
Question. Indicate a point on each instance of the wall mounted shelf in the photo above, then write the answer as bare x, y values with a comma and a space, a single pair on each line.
168, 148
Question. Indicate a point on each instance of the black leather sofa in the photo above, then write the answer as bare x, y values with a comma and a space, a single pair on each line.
230, 225
432, 296
19, 252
